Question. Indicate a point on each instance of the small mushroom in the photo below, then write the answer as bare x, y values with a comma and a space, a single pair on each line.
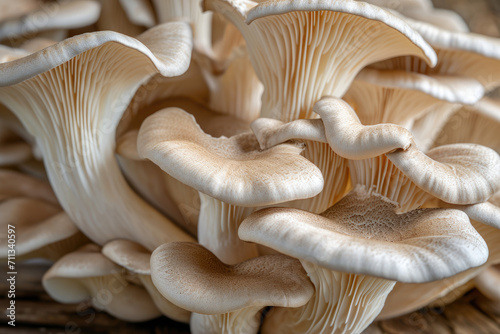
87, 274
232, 176
135, 259
356, 251
224, 298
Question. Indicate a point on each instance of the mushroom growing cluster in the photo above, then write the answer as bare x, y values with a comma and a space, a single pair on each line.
279, 166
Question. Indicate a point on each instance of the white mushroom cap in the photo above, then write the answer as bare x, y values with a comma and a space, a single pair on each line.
135, 259
347, 35
193, 278
65, 15
233, 169
86, 274
363, 234
456, 173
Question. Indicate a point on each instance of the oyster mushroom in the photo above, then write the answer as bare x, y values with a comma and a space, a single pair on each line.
224, 298
385, 159
42, 230
232, 175
135, 259
356, 251
86, 274
52, 16
74, 116
304, 50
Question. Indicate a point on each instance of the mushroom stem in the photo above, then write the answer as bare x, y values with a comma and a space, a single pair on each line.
73, 110
218, 230
243, 321
343, 303
380, 176
335, 173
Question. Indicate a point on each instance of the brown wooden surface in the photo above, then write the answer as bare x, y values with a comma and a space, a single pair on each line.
36, 312
472, 314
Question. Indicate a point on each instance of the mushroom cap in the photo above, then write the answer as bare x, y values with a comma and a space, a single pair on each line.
456, 173
362, 234
170, 61
353, 140
193, 278
443, 87
362, 9
62, 15
232, 170
87, 273
128, 254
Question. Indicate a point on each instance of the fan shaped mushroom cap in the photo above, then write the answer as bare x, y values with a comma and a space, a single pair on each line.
177, 268
230, 169
456, 173
135, 259
65, 15
363, 234
227, 299
76, 131
86, 274
282, 41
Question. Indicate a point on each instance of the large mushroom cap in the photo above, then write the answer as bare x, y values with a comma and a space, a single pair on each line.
232, 170
192, 277
362, 234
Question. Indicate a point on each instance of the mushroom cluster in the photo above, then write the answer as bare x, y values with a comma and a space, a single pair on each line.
279, 166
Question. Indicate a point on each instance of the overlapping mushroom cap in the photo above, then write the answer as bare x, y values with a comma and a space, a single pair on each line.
233, 170
364, 234
299, 58
358, 249
87, 274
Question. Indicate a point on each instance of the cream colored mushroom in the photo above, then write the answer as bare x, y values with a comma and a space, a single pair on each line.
86, 274
227, 299
175, 199
74, 124
384, 158
232, 176
302, 50
356, 251
42, 230
405, 98
52, 16
135, 259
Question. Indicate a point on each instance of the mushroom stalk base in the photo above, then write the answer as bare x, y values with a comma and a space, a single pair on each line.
244, 321
343, 303
218, 230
